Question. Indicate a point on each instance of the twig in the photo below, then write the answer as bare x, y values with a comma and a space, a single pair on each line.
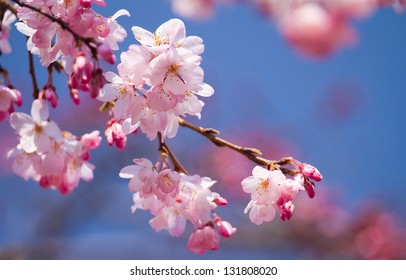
166, 151
35, 92
252, 154
6, 5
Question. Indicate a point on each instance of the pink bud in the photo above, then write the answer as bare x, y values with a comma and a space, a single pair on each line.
86, 3
48, 92
75, 96
44, 182
91, 140
114, 134
106, 53
309, 187
224, 228
286, 210
80, 62
220, 201
18, 97
311, 172
3, 116
96, 83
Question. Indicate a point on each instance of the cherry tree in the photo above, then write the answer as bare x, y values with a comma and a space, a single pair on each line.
158, 84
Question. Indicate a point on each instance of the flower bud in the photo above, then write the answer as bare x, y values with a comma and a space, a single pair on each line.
311, 172
224, 228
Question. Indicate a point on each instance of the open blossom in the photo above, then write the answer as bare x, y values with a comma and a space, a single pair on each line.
53, 158
7, 20
174, 199
158, 80
270, 191
36, 131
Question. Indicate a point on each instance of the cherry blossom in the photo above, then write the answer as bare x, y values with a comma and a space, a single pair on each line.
203, 239
7, 20
51, 41
272, 191
175, 198
317, 28
55, 159
36, 132
310, 171
198, 9
158, 80
8, 98
115, 134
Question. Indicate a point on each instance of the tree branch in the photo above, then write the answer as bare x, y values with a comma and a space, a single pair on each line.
6, 5
35, 92
252, 154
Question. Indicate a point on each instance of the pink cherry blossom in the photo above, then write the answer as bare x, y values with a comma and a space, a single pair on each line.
203, 239
309, 27
175, 198
158, 80
260, 213
196, 9
36, 132
119, 90
143, 176
51, 41
311, 172
317, 28
115, 134
7, 20
55, 159
272, 191
8, 98
224, 228
263, 185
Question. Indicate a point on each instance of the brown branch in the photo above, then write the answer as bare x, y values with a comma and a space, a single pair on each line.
6, 5
166, 151
252, 154
35, 92
86, 40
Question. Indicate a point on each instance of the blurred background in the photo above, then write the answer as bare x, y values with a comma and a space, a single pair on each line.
344, 114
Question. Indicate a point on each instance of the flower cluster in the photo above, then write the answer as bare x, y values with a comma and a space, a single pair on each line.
175, 198
54, 158
158, 81
90, 36
272, 191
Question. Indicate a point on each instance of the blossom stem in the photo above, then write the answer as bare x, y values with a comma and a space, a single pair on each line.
167, 152
6, 5
35, 92
252, 154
